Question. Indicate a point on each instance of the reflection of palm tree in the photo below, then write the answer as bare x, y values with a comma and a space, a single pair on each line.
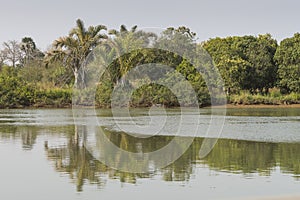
28, 138
78, 163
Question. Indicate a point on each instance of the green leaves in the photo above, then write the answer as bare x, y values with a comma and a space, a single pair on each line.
15, 92
74, 48
245, 62
288, 59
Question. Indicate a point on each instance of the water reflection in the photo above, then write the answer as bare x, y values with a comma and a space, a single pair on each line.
28, 135
231, 156
70, 157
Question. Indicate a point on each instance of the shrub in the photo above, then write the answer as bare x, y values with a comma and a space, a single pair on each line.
15, 92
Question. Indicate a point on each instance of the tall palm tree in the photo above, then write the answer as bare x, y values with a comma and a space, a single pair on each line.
126, 40
74, 49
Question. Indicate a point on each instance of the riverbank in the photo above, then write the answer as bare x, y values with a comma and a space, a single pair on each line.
273, 98
231, 106
241, 106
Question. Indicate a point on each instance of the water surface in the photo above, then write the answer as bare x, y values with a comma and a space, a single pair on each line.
258, 155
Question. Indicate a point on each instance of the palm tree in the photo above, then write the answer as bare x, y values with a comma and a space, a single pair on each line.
123, 30
74, 48
126, 41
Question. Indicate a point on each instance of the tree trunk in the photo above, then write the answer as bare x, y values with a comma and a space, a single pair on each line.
79, 76
76, 135
76, 76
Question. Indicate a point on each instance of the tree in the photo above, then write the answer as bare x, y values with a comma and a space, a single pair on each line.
12, 52
228, 61
122, 51
28, 47
181, 40
287, 57
30, 51
259, 52
2, 60
74, 49
245, 62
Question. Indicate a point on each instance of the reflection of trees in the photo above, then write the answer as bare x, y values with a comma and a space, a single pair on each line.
289, 158
252, 157
231, 156
27, 134
139, 162
181, 169
242, 156
75, 160
8, 132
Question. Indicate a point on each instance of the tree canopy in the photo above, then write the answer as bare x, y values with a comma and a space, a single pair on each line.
247, 64
288, 59
74, 48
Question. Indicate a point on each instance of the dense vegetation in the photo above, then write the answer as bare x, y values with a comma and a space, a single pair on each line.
255, 69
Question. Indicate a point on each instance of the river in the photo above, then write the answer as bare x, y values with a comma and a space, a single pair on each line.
256, 154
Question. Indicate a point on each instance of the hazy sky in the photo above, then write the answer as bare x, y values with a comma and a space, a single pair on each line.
46, 20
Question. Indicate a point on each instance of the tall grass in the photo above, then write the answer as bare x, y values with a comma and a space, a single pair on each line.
274, 97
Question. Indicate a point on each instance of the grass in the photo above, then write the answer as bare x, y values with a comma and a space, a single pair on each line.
273, 98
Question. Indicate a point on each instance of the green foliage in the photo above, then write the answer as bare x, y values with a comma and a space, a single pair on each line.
292, 98
254, 68
153, 94
55, 97
75, 48
273, 98
103, 94
32, 72
288, 58
18, 90
246, 98
15, 92
245, 63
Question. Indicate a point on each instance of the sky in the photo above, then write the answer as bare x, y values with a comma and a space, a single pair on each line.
47, 20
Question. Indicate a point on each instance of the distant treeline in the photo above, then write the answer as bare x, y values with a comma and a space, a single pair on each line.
255, 69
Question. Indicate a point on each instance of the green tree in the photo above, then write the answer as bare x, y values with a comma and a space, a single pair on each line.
124, 41
259, 52
74, 49
245, 62
287, 57
30, 52
15, 92
124, 50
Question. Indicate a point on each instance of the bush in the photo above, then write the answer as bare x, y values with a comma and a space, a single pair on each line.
15, 92
55, 97
292, 98
273, 98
